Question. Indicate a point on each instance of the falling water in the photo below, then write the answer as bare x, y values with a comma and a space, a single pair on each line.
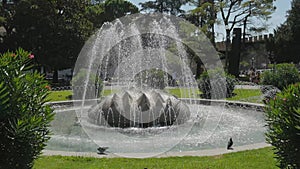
120, 52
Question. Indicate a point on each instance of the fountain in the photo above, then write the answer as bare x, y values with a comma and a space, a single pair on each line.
139, 57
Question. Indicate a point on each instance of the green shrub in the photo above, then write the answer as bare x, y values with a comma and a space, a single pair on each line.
283, 75
283, 121
215, 78
153, 78
24, 118
93, 87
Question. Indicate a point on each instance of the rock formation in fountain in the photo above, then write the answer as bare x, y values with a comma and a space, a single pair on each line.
137, 108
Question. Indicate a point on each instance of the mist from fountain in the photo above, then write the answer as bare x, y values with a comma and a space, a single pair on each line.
118, 53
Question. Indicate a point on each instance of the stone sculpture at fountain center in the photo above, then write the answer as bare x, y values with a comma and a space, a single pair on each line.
139, 108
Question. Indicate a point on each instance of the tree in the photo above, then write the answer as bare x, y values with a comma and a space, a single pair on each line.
240, 12
204, 16
7, 12
53, 30
118, 8
95, 14
56, 30
287, 37
235, 12
172, 7
109, 10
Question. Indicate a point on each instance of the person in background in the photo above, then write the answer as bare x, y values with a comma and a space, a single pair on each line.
257, 77
251, 74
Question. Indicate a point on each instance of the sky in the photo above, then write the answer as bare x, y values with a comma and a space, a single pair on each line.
277, 18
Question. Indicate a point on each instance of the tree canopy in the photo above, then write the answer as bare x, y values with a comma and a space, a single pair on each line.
286, 42
55, 30
172, 7
204, 15
109, 10
234, 12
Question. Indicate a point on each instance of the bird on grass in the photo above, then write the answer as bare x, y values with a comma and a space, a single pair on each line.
229, 145
101, 150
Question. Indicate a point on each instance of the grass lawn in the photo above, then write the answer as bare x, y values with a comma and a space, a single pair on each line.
260, 158
248, 95
108, 92
67, 95
59, 95
184, 93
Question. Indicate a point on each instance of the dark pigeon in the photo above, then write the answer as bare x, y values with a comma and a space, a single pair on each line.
229, 145
101, 150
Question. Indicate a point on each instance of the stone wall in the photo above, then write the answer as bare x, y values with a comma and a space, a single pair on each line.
253, 50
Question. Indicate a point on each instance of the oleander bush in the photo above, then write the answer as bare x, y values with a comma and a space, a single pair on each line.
283, 121
24, 117
282, 76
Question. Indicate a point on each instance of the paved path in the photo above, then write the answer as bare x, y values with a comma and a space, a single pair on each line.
210, 152
247, 86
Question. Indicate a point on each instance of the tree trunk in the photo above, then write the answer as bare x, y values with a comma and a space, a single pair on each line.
213, 35
213, 24
55, 76
227, 48
199, 68
244, 31
161, 7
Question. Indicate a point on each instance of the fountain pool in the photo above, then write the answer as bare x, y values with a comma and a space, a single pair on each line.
245, 125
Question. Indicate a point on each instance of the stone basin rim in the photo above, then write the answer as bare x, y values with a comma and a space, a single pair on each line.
197, 101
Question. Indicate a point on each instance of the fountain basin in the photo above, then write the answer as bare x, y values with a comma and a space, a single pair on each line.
244, 122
